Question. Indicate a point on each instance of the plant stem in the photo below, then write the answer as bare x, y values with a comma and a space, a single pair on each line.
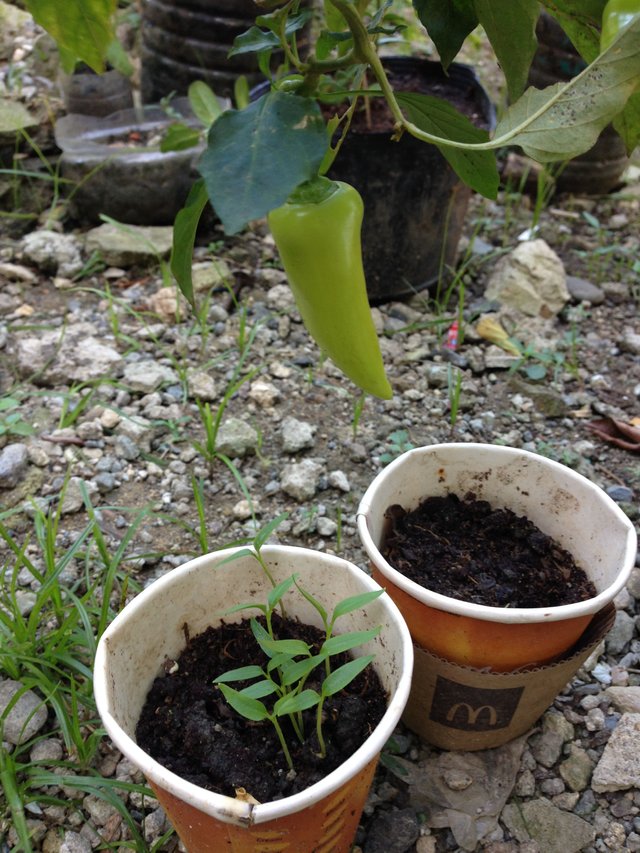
319, 735
283, 743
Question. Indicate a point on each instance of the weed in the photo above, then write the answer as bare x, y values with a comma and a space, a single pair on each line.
399, 443
11, 421
454, 387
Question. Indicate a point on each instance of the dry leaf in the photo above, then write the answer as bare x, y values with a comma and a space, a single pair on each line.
617, 432
491, 330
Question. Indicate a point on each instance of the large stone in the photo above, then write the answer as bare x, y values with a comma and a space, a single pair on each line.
145, 376
53, 253
531, 279
619, 767
236, 438
555, 830
130, 245
300, 480
75, 355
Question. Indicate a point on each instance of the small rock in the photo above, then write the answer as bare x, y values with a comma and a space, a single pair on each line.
300, 480
582, 290
621, 494
621, 633
555, 830
339, 480
392, 832
576, 770
14, 459
296, 435
619, 766
26, 717
624, 698
201, 386
236, 438
52, 252
146, 376
74, 842
133, 245
265, 394
73, 499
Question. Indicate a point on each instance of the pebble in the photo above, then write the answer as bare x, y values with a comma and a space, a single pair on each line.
26, 717
14, 459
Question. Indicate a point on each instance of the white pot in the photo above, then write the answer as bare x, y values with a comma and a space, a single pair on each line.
563, 504
151, 629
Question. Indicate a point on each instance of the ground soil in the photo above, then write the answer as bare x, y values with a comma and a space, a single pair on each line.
465, 549
187, 725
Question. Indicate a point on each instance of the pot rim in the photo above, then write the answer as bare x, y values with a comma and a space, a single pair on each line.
221, 806
482, 612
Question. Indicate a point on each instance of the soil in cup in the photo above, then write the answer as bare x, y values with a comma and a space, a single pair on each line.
189, 728
465, 549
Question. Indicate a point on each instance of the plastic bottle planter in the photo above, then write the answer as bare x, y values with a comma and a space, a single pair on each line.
118, 168
415, 206
484, 674
182, 42
91, 94
150, 629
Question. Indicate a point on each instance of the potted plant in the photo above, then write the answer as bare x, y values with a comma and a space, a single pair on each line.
278, 148
152, 630
476, 641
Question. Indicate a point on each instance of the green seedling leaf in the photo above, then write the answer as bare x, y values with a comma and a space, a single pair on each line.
247, 706
314, 603
184, 238
7, 403
344, 675
257, 156
355, 602
261, 635
477, 169
292, 703
265, 532
565, 120
204, 102
277, 592
294, 672
343, 642
253, 41
249, 606
179, 137
293, 648
242, 673
259, 690
278, 661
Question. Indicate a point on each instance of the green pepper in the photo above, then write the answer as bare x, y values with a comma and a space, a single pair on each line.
616, 15
317, 232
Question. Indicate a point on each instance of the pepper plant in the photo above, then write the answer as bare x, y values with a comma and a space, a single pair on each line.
269, 158
290, 662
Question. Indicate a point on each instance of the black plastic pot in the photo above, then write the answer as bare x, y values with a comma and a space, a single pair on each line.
556, 60
415, 205
187, 40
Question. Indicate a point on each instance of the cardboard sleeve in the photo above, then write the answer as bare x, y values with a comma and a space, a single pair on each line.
462, 708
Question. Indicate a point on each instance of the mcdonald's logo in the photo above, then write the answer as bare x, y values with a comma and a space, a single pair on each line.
473, 709
472, 714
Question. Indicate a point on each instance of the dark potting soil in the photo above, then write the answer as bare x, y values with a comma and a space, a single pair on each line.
188, 727
464, 549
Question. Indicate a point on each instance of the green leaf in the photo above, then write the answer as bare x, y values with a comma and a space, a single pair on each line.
292, 703
448, 23
259, 690
240, 674
565, 120
293, 648
294, 672
247, 706
261, 635
278, 661
278, 591
250, 605
204, 103
344, 675
254, 40
510, 26
179, 137
118, 58
257, 156
349, 640
7, 403
581, 20
354, 602
83, 30
477, 169
265, 532
628, 123
185, 227
314, 603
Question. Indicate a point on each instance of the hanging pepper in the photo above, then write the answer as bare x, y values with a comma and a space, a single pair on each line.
317, 232
616, 16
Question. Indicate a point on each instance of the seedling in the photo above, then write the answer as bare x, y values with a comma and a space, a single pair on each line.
11, 422
399, 443
291, 662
